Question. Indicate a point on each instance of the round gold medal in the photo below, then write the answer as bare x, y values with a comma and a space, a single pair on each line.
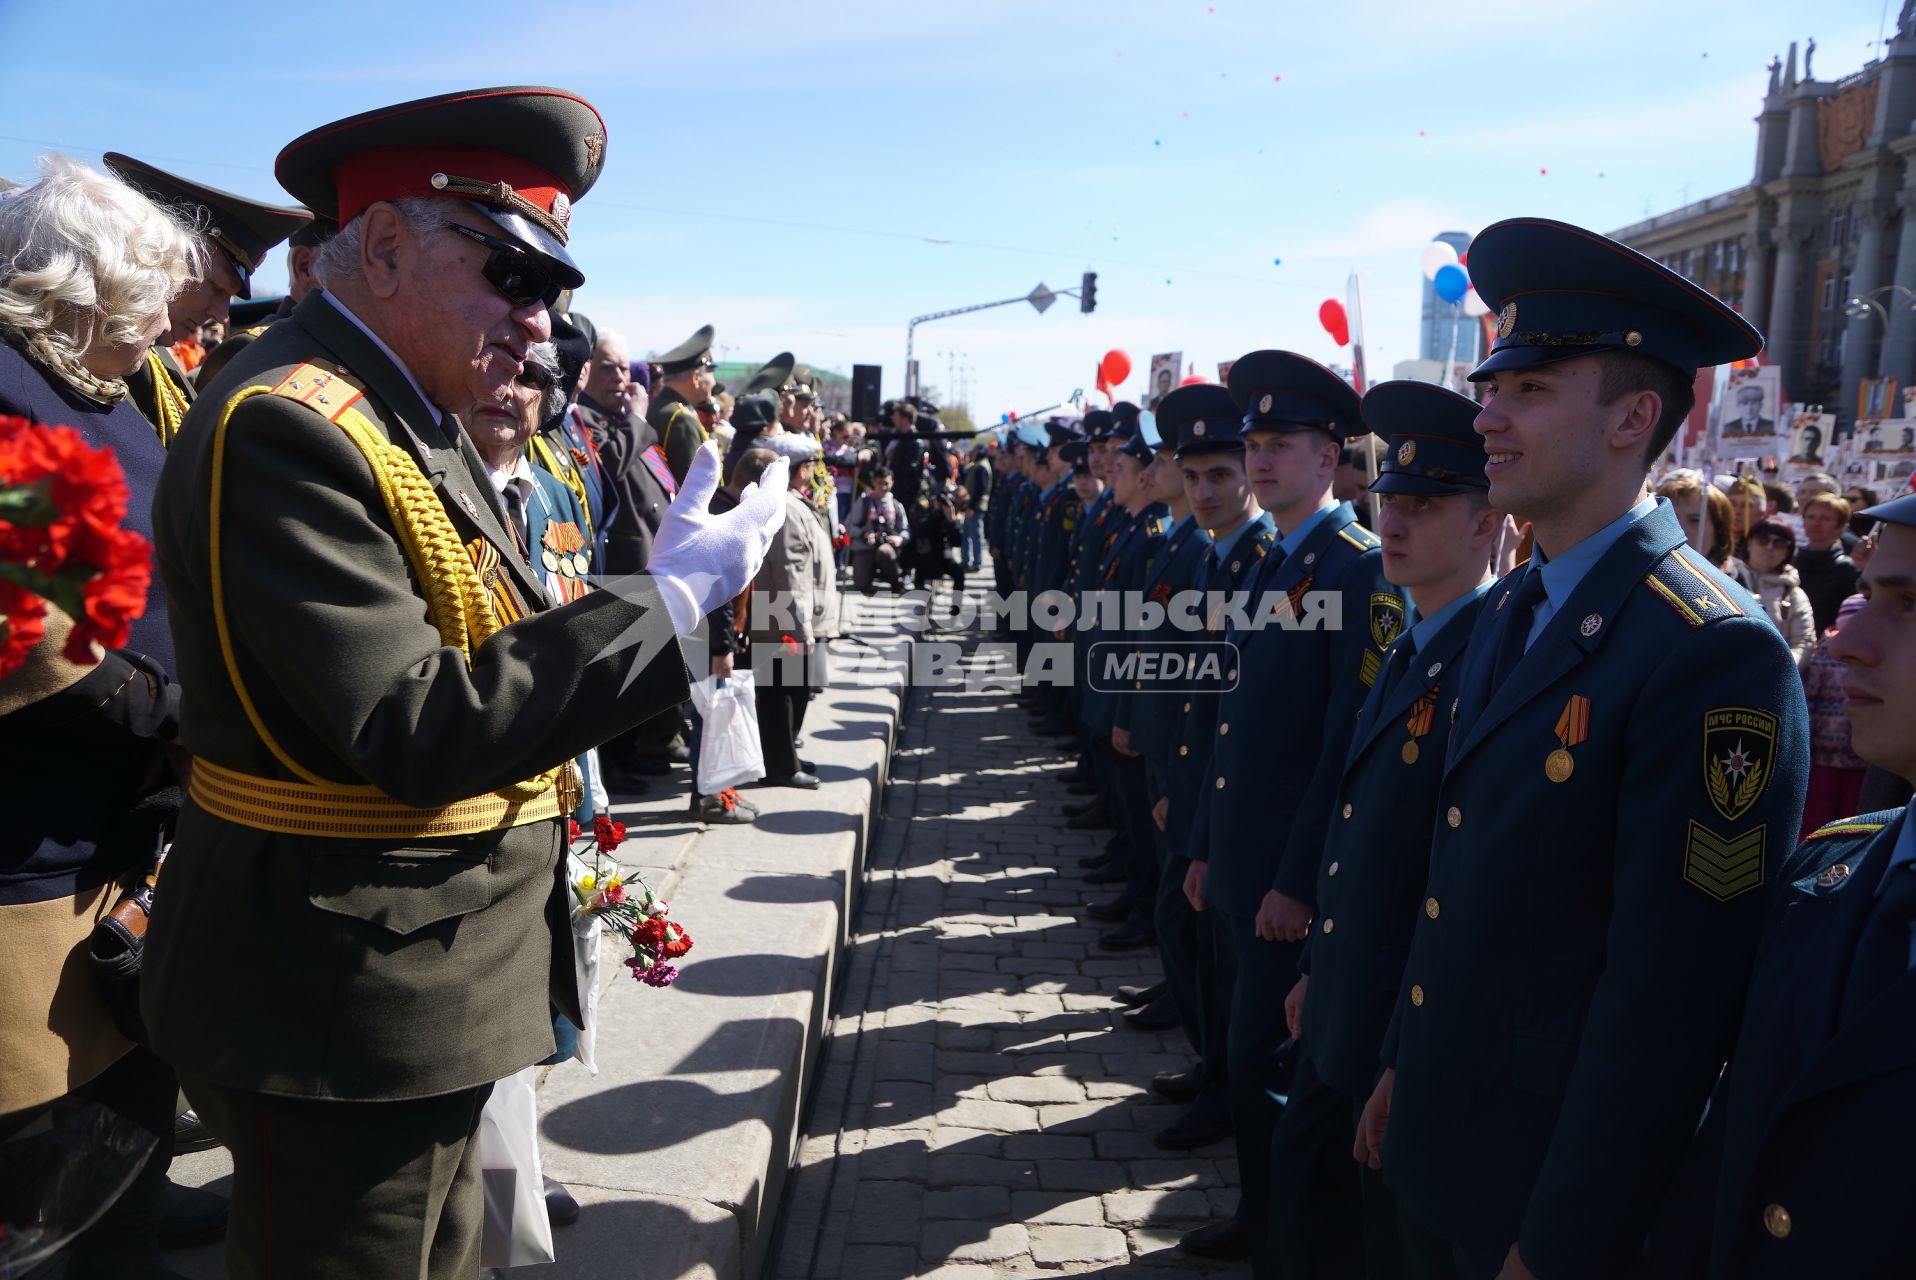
1410, 752
580, 564
1558, 766
550, 561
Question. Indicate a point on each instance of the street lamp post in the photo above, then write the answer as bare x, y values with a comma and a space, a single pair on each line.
1040, 299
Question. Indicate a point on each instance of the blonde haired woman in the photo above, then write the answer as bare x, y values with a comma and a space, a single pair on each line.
87, 266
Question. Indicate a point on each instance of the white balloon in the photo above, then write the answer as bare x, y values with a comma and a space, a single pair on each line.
1437, 254
1474, 305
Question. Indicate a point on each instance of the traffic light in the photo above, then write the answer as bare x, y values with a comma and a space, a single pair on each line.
1088, 293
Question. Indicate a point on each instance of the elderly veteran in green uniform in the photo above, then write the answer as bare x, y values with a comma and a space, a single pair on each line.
1439, 533
237, 233
1625, 774
364, 921
685, 378
1804, 1164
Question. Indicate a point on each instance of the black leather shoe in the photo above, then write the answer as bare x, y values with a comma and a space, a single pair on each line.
1097, 819
1110, 911
1205, 1123
1136, 997
1081, 806
1160, 1015
190, 1135
802, 780
189, 1216
1227, 1239
806, 766
1129, 937
1178, 1086
1111, 872
560, 1206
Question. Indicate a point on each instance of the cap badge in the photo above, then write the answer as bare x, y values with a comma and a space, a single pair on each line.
1633, 339
1264, 405
1507, 320
1831, 876
1405, 452
1197, 428
561, 208
595, 148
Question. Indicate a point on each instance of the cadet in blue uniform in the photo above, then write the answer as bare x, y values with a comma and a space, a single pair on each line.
1319, 619
1439, 533
1626, 768
1805, 1166
1211, 455
1125, 569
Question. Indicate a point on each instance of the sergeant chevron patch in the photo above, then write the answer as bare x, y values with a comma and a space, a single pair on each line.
1722, 867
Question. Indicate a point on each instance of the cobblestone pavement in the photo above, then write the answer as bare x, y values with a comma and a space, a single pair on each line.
982, 1111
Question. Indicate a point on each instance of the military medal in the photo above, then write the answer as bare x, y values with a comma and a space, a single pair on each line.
1419, 723
580, 564
550, 561
1573, 726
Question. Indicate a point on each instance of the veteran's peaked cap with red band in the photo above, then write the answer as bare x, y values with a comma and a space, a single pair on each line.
523, 154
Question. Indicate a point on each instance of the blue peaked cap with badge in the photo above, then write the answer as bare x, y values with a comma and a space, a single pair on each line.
1430, 435
1200, 418
1099, 424
1560, 292
1283, 391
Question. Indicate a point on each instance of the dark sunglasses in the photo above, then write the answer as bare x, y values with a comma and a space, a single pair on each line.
516, 273
535, 377
1772, 539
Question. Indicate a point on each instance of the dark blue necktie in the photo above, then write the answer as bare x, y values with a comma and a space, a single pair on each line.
1882, 950
1400, 659
1517, 609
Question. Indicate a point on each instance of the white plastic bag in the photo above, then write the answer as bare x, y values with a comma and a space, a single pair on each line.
729, 751
587, 932
518, 1231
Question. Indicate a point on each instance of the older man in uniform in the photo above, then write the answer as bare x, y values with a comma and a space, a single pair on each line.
1803, 1166
384, 702
1629, 747
236, 233
1439, 533
685, 378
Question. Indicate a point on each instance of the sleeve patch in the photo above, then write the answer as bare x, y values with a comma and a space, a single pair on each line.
1724, 867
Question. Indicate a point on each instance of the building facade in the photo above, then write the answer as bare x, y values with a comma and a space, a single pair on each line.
1819, 249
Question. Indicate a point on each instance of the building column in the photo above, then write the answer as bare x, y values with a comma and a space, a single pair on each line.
1863, 330
1756, 284
1786, 346
1899, 343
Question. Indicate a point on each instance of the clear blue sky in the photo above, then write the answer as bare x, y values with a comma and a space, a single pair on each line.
810, 175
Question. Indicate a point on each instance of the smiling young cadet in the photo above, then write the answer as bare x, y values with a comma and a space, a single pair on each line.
1321, 616
1626, 766
1803, 1167
1439, 532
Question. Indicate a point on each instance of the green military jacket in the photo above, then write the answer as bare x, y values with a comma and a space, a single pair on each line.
679, 430
360, 968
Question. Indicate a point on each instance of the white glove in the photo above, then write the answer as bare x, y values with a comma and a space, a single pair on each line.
700, 560
789, 444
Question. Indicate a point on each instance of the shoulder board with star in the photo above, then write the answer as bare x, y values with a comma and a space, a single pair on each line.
1867, 824
322, 387
1360, 537
1690, 589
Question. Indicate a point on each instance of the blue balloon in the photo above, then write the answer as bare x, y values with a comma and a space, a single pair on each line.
1451, 282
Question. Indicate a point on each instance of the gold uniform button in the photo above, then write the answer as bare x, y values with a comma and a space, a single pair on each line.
1333, 869
1231, 674
1223, 729
1417, 996
1776, 1220
1187, 706
1329, 924
1220, 784
1455, 817
1430, 907
1347, 810
1184, 751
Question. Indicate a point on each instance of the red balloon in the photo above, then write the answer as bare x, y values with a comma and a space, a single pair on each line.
1463, 259
1194, 380
1116, 366
1336, 323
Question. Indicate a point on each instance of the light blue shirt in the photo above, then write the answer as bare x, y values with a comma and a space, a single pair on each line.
1563, 573
1223, 547
1424, 630
1295, 538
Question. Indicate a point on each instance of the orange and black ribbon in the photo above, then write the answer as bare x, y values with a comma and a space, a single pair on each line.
1573, 726
1422, 714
